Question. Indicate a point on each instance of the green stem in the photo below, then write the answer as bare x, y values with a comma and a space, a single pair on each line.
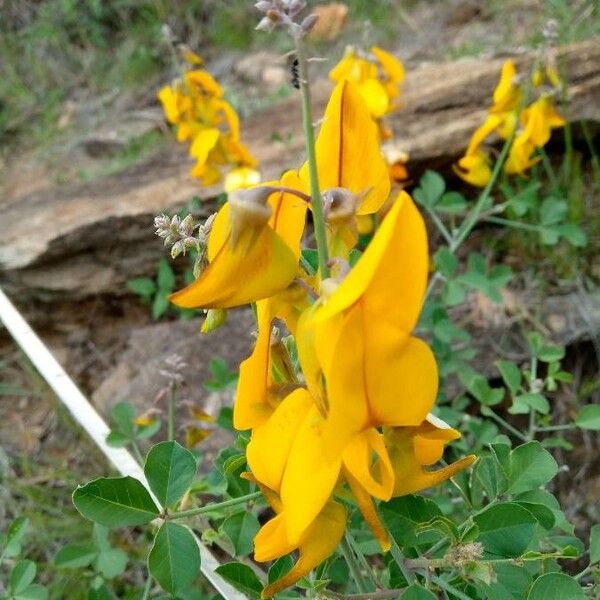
366, 567
171, 412
471, 219
311, 157
532, 415
378, 595
507, 425
582, 573
192, 512
137, 452
449, 588
514, 224
147, 588
549, 170
401, 561
558, 427
439, 224
353, 565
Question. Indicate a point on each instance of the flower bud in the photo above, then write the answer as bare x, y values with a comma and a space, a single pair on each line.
265, 24
215, 317
295, 7
177, 249
309, 22
187, 226
264, 6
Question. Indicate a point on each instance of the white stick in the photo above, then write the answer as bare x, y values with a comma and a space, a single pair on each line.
85, 414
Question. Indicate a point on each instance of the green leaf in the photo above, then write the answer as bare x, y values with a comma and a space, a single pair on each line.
573, 234
242, 578
418, 592
14, 535
112, 562
550, 354
170, 469
445, 262
311, 256
75, 556
279, 568
32, 592
22, 575
511, 374
552, 211
588, 417
451, 203
143, 287
595, 544
241, 528
512, 583
174, 559
555, 586
524, 403
543, 515
123, 415
165, 277
100, 593
505, 530
115, 502
403, 515
160, 305
530, 467
430, 190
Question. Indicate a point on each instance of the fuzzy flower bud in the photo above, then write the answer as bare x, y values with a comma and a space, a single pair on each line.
309, 22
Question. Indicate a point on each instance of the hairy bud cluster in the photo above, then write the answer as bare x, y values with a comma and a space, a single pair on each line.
180, 233
174, 371
281, 13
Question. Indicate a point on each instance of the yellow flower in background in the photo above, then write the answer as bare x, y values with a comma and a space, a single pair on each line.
504, 116
377, 78
195, 104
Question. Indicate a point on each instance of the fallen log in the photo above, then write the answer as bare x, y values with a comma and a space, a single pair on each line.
73, 244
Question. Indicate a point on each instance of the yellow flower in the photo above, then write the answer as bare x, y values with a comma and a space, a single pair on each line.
413, 448
507, 95
474, 168
253, 251
241, 177
362, 347
539, 119
377, 80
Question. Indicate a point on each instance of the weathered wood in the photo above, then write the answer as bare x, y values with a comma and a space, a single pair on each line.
91, 238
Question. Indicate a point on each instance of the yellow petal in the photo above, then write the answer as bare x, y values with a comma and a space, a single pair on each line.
202, 82
412, 448
474, 169
271, 442
391, 66
203, 143
310, 475
507, 94
289, 212
391, 274
252, 407
168, 98
358, 461
317, 544
369, 512
348, 153
375, 97
242, 177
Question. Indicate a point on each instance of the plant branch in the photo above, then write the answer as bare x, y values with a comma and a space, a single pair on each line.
353, 565
200, 510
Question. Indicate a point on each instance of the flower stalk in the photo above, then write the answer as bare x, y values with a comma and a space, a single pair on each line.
311, 157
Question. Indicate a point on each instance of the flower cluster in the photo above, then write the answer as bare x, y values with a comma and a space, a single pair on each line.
356, 421
533, 125
195, 104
